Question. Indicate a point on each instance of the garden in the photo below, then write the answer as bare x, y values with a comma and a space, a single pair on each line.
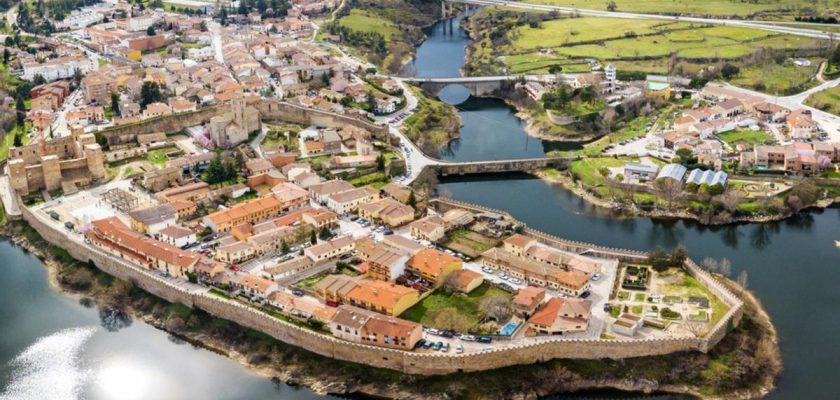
483, 310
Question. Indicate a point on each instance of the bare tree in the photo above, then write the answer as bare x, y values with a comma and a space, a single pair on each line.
496, 307
450, 319
742, 280
668, 189
725, 267
695, 328
450, 284
731, 199
710, 264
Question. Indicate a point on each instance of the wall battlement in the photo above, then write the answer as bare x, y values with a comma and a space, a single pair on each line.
399, 360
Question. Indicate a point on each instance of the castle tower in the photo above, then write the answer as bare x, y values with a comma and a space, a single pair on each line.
52, 172
95, 160
17, 176
238, 111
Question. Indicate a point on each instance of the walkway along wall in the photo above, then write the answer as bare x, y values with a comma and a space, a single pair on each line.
276, 110
126, 134
399, 360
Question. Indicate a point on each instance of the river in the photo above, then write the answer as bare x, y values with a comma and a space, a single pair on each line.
792, 265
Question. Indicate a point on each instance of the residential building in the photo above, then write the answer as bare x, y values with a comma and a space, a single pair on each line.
387, 211
320, 191
468, 280
250, 211
561, 315
361, 326
330, 249
177, 236
566, 281
386, 264
433, 265
527, 300
153, 219
254, 286
431, 228
383, 297
348, 201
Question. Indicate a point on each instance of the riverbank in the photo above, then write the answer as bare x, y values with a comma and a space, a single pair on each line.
623, 210
119, 302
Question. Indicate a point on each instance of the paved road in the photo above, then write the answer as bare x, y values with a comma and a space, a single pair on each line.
609, 14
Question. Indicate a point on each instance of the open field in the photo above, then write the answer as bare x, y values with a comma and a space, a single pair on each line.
827, 100
693, 7
745, 136
636, 45
772, 78
364, 21
467, 306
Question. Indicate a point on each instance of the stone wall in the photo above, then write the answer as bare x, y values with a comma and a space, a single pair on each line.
276, 110
489, 167
400, 360
172, 123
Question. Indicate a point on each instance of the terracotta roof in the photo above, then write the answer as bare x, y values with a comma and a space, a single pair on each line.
380, 293
431, 262
518, 240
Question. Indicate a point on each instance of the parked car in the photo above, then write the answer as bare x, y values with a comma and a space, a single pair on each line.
446, 348
585, 294
428, 345
438, 345
420, 343
459, 349
468, 338
484, 339
297, 292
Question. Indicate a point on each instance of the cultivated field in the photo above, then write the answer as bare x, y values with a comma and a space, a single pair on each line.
364, 21
783, 9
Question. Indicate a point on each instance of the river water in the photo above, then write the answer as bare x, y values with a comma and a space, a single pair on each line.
793, 266
54, 348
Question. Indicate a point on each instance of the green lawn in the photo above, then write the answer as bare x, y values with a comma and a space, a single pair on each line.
691, 287
9, 139
468, 306
587, 169
746, 136
363, 21
826, 100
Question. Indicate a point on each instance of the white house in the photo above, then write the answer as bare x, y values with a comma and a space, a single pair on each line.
177, 236
628, 324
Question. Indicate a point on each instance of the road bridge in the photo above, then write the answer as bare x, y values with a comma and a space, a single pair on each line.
482, 86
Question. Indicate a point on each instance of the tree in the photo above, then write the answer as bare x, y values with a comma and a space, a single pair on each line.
412, 200
150, 31
203, 26
728, 71
669, 189
710, 264
324, 234
658, 259
725, 267
742, 280
835, 57
678, 256
312, 238
150, 93
380, 162
450, 319
6, 56
555, 69
39, 79
695, 328
20, 108
17, 141
496, 307
611, 6
806, 191
115, 103
284, 247
450, 284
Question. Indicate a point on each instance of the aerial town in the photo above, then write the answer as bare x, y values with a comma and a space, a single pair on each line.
255, 155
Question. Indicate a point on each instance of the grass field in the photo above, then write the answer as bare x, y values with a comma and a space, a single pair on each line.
467, 306
693, 7
363, 21
778, 79
746, 136
826, 100
641, 45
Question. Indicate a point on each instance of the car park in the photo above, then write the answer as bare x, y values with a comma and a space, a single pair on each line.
484, 339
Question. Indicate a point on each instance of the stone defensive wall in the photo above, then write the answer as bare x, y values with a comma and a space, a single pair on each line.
276, 110
126, 134
536, 350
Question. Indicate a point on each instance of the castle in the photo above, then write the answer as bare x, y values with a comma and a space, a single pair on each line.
233, 127
65, 163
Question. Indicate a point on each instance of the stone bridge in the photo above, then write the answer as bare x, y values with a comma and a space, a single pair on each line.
479, 86
444, 168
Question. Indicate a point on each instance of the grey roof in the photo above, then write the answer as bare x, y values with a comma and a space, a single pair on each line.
650, 168
710, 178
673, 171
154, 214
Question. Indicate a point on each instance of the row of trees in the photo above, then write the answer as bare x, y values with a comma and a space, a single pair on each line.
223, 168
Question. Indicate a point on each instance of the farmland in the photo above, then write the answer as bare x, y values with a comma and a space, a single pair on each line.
771, 9
533, 43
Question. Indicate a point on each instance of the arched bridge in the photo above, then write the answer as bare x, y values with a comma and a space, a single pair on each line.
446, 168
481, 86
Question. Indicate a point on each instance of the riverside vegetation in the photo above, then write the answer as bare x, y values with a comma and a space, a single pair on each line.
743, 365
